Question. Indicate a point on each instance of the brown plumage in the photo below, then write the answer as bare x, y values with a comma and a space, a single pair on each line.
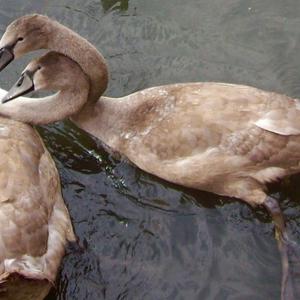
34, 222
223, 138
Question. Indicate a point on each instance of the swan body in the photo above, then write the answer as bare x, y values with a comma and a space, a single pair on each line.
223, 138
34, 222
199, 134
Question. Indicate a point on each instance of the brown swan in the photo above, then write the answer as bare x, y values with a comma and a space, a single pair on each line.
223, 138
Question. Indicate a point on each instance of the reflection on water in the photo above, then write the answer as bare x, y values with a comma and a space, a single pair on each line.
115, 5
140, 237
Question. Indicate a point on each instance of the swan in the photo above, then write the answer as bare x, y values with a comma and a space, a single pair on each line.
223, 138
34, 222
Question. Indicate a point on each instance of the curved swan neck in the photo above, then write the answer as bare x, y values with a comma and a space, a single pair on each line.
66, 41
39, 111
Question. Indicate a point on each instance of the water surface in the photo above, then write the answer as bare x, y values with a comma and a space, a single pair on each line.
140, 237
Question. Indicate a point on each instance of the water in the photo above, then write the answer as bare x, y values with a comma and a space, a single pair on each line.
140, 237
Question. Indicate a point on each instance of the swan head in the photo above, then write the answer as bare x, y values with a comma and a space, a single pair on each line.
53, 71
25, 34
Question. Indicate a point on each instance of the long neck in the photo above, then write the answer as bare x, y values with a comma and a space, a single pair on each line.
43, 110
66, 41
107, 120
115, 121
100, 117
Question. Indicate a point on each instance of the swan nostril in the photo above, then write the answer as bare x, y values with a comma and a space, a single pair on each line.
20, 81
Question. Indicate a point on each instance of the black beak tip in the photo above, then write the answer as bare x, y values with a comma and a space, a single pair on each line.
6, 56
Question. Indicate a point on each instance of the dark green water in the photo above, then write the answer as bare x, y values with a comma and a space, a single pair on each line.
143, 238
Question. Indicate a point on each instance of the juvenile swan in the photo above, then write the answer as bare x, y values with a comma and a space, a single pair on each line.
223, 138
34, 222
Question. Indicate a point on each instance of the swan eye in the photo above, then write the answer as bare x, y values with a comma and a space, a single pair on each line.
39, 67
20, 39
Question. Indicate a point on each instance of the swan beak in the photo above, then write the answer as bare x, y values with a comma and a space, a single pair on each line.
23, 86
6, 56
